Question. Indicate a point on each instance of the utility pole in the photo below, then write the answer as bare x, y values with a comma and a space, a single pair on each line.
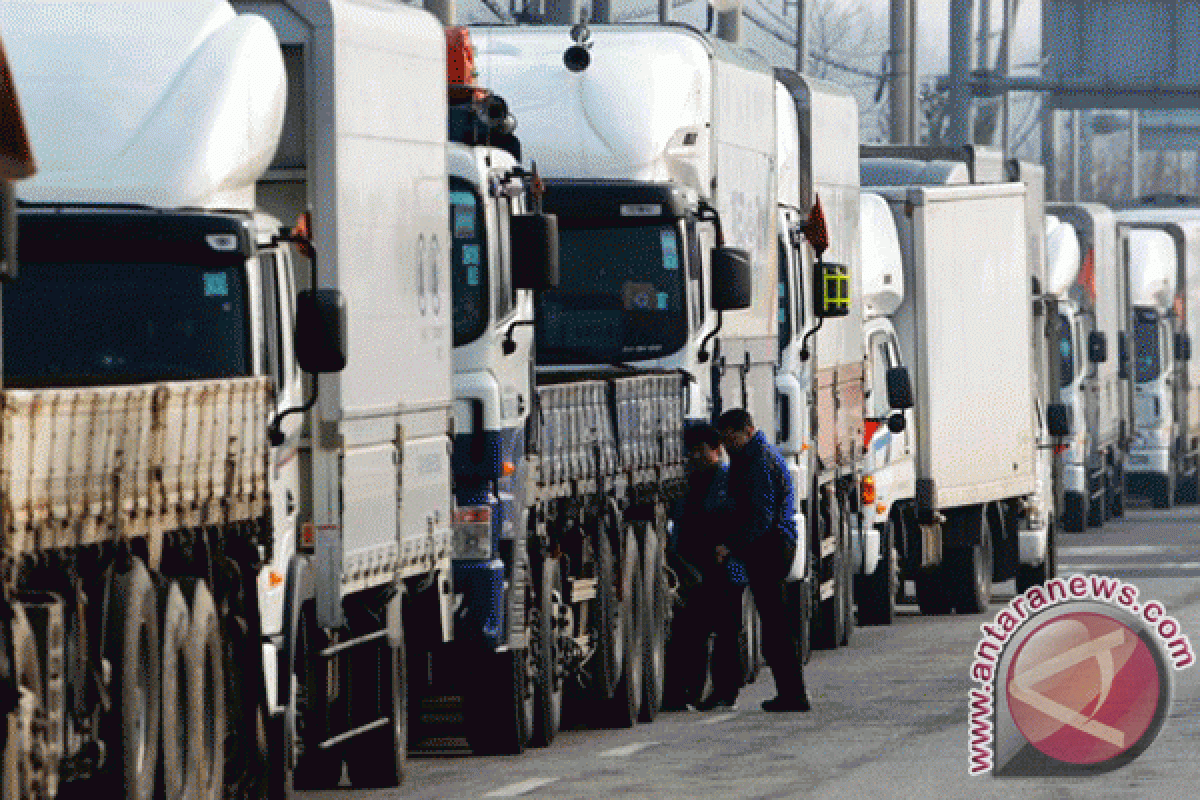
959, 131
801, 41
563, 12
444, 10
903, 79
1135, 177
729, 20
664, 11
1049, 149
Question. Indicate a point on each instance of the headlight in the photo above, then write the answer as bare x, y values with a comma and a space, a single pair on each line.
473, 532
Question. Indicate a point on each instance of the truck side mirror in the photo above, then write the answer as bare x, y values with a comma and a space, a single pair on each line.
896, 422
899, 389
1097, 347
1122, 355
321, 331
1058, 419
831, 290
732, 279
534, 241
1183, 347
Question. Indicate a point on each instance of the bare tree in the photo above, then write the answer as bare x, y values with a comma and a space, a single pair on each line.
846, 44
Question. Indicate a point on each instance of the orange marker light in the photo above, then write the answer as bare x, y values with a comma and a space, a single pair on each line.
274, 579
868, 490
507, 468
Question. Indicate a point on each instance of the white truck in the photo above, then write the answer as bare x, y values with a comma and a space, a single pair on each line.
822, 379
889, 474
368, 594
982, 459
1164, 457
1084, 272
147, 348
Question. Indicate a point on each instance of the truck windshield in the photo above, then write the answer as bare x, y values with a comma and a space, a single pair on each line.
104, 324
468, 263
1146, 366
1066, 351
620, 296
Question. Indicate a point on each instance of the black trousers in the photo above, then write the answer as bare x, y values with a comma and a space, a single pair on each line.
767, 567
713, 607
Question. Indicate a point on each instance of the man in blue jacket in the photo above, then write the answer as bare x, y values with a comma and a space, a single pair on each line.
764, 538
712, 592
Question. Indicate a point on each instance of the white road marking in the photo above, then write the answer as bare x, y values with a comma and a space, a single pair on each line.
518, 789
719, 718
1118, 550
627, 750
1067, 569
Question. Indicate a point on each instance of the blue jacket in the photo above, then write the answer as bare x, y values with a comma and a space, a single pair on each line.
764, 499
704, 520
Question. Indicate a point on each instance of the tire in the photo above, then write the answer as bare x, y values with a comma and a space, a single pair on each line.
177, 712
933, 595
1164, 491
655, 597
969, 567
20, 777
548, 681
1075, 512
606, 664
749, 640
132, 645
1030, 576
625, 705
1186, 489
1098, 509
205, 661
847, 585
803, 604
307, 716
1116, 485
830, 617
279, 761
499, 708
876, 593
376, 760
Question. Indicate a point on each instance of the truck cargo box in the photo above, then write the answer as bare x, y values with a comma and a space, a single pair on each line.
965, 332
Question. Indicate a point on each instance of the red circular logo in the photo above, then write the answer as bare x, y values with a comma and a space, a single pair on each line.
1084, 688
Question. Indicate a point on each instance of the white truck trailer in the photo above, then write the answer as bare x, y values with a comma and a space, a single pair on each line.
147, 345
1164, 462
1094, 323
369, 587
970, 335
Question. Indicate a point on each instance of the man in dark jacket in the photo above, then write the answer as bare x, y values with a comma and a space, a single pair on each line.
765, 539
711, 591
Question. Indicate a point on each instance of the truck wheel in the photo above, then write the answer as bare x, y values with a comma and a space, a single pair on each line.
830, 611
749, 639
174, 780
1098, 508
1075, 512
1186, 491
548, 683
307, 717
933, 595
655, 598
626, 701
379, 689
1164, 491
1116, 486
205, 662
876, 593
21, 777
847, 585
135, 655
1029, 576
969, 568
606, 664
498, 708
801, 593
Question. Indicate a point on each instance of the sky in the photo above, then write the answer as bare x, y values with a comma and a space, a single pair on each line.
853, 33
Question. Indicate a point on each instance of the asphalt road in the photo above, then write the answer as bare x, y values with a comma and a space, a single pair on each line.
889, 718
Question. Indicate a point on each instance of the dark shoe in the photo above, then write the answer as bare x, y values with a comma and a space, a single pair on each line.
716, 703
786, 704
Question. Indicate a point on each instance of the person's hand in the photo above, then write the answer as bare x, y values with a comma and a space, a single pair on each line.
722, 553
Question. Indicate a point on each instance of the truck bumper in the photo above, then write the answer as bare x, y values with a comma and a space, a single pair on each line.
484, 589
1147, 461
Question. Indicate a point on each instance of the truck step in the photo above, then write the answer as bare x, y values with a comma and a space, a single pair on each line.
334, 649
826, 590
828, 546
583, 589
353, 732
